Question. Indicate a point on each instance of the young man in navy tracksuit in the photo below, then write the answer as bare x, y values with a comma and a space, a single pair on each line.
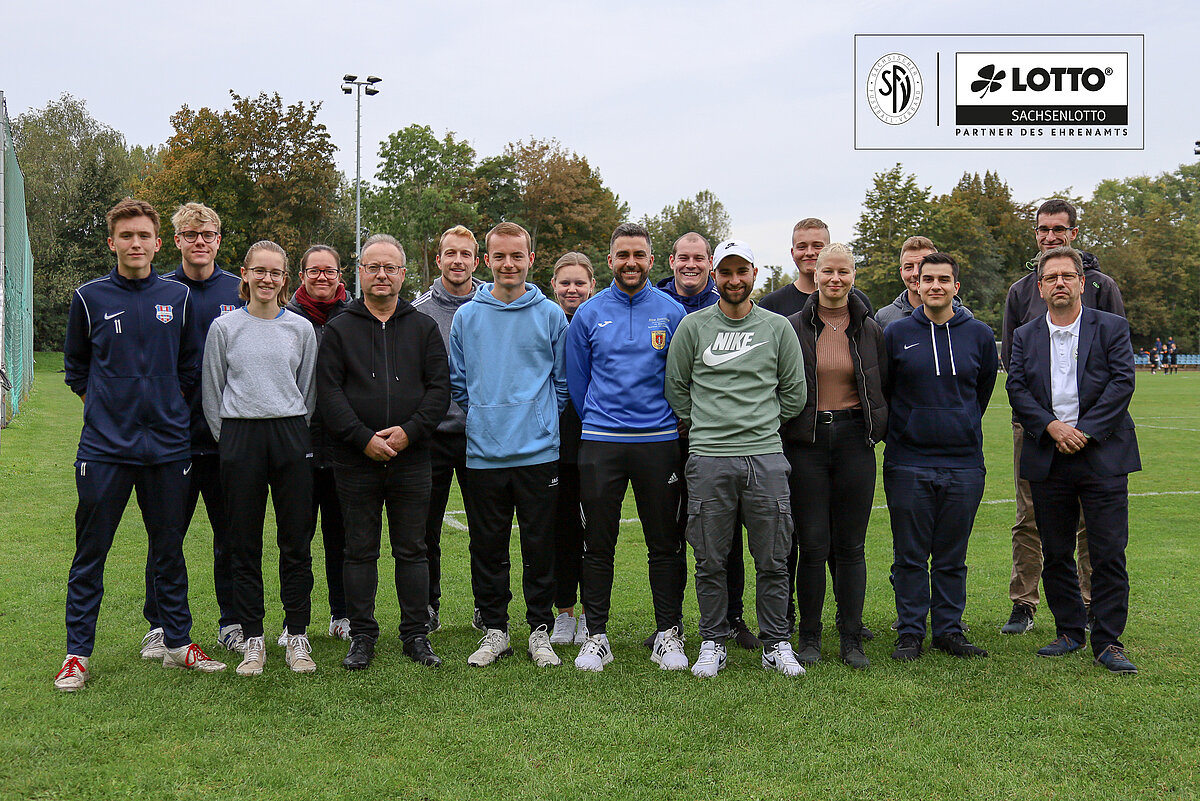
213, 292
942, 364
616, 372
132, 354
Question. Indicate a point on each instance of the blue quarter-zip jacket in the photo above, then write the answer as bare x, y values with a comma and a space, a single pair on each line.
133, 347
617, 365
941, 380
212, 297
507, 370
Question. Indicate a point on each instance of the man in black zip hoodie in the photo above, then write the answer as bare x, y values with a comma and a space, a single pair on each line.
383, 385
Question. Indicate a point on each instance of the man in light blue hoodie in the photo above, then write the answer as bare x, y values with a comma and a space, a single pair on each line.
507, 370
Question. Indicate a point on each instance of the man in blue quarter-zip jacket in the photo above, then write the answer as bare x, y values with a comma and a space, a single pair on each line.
616, 372
132, 354
213, 292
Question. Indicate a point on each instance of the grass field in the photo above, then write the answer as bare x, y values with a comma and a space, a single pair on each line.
1011, 726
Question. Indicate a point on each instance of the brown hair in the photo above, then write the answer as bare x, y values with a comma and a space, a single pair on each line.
283, 296
318, 249
129, 208
508, 229
571, 259
810, 222
917, 243
1063, 251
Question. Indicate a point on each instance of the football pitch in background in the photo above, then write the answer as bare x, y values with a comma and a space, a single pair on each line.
1011, 726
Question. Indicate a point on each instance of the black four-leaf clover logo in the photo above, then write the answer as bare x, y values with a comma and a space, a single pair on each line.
989, 80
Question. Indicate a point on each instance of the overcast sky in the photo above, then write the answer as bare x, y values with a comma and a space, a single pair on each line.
753, 101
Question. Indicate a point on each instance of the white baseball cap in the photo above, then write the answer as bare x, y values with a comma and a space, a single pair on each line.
732, 247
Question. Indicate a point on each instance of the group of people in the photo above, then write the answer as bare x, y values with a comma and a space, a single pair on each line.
1163, 356
722, 413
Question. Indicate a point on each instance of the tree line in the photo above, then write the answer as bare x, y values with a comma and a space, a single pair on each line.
267, 168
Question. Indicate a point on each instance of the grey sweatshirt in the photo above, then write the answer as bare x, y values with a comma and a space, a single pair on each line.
257, 369
439, 304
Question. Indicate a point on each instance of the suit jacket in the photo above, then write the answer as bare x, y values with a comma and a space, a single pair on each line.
1104, 371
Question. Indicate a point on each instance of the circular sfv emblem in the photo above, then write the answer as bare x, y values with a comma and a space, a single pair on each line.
894, 89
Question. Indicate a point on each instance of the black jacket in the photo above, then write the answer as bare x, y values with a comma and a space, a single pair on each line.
870, 369
372, 375
322, 444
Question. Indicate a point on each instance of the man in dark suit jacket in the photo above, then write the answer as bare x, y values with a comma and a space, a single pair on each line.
1070, 382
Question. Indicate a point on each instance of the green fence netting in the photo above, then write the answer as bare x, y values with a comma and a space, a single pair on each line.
16, 281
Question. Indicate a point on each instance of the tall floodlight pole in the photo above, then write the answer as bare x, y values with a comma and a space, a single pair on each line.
351, 84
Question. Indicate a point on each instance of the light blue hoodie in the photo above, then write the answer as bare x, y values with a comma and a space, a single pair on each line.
508, 370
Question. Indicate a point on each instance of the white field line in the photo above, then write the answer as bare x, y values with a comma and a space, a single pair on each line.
1167, 428
457, 525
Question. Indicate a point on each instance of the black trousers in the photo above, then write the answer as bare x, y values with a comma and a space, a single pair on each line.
606, 469
1056, 505
365, 491
104, 489
568, 537
447, 453
204, 479
257, 455
836, 477
490, 497
333, 536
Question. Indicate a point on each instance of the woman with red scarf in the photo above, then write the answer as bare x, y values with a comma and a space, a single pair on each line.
320, 298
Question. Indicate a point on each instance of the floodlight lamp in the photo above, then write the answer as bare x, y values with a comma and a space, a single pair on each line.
347, 90
373, 79
348, 78
370, 90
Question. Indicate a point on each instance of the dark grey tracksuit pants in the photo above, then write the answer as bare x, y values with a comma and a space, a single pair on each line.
716, 487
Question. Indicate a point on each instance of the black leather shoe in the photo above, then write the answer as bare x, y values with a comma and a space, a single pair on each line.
419, 650
957, 644
362, 651
1115, 660
1061, 646
742, 635
908, 648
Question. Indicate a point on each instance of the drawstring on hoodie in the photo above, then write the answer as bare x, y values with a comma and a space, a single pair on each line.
937, 365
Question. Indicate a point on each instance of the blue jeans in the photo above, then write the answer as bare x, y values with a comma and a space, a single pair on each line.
932, 511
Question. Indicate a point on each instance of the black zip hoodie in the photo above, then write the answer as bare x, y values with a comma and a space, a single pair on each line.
372, 375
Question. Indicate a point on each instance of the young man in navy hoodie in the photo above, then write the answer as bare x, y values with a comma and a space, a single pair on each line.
942, 364
616, 371
213, 292
132, 354
507, 370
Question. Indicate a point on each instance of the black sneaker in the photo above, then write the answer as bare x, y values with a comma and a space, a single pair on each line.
908, 648
809, 652
1061, 646
649, 641
435, 623
1091, 622
1020, 621
1113, 658
851, 652
742, 634
957, 644
865, 633
362, 651
419, 650
477, 621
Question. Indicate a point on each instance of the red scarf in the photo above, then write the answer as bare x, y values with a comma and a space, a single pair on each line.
318, 310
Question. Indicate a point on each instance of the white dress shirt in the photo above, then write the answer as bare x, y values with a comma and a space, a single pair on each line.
1064, 356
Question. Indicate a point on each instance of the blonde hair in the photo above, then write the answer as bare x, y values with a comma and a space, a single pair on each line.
572, 259
508, 229
458, 230
917, 243
283, 296
194, 214
835, 249
810, 222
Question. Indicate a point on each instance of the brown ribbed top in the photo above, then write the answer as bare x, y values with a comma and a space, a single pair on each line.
836, 389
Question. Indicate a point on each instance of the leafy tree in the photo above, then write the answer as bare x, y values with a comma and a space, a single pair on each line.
75, 169
703, 214
894, 209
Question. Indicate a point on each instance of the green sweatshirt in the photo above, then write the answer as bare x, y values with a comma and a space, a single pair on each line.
734, 381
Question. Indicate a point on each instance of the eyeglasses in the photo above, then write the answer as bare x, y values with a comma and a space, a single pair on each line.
389, 269
1050, 279
207, 236
261, 273
1057, 230
328, 272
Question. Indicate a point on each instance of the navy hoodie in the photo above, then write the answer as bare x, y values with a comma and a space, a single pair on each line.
691, 303
941, 380
133, 348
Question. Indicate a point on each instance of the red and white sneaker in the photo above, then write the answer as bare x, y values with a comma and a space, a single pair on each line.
73, 674
191, 657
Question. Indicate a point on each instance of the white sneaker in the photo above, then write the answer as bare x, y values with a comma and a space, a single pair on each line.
231, 638
73, 674
668, 650
153, 646
191, 657
594, 654
493, 647
339, 628
782, 659
540, 650
564, 629
283, 638
711, 660
299, 654
581, 630
256, 657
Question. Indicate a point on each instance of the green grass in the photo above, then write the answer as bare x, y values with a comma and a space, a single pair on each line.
1011, 726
